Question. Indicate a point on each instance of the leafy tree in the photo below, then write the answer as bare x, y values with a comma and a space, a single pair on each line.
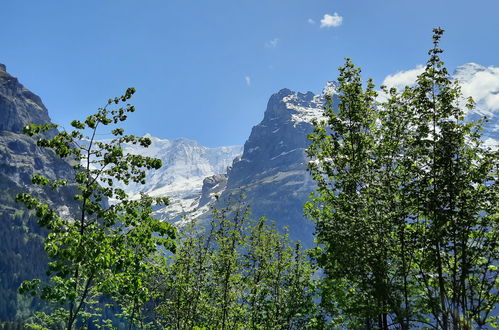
406, 205
238, 273
352, 226
101, 249
455, 202
278, 279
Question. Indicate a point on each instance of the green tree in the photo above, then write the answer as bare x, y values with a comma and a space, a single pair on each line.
406, 205
101, 249
237, 273
455, 206
356, 236
278, 279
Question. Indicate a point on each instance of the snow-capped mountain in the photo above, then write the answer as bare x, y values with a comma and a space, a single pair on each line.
186, 164
482, 84
271, 171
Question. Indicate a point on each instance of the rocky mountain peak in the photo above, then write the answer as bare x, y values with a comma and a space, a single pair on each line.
298, 107
272, 169
331, 88
283, 130
3, 67
18, 105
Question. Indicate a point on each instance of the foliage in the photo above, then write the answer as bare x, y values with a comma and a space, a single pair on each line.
101, 248
238, 273
406, 205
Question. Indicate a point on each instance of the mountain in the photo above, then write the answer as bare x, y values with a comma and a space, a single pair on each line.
23, 256
21, 239
186, 164
482, 83
272, 169
20, 158
271, 172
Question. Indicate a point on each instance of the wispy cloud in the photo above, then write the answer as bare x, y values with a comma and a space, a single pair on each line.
272, 43
334, 20
311, 21
248, 80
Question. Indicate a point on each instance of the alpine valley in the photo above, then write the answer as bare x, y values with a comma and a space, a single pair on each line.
270, 170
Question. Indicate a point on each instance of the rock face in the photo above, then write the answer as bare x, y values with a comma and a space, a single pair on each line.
21, 246
20, 158
212, 186
18, 105
272, 169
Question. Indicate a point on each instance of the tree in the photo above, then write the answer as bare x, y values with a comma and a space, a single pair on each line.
406, 205
352, 226
237, 273
455, 206
101, 249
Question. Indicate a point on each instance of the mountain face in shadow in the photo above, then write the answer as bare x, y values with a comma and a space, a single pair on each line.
21, 239
271, 172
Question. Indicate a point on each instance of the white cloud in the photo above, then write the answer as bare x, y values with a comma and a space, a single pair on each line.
477, 81
272, 43
403, 78
481, 83
248, 80
334, 20
399, 80
311, 21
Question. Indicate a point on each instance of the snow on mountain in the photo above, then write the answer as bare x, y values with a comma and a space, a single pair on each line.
482, 84
307, 106
271, 172
186, 163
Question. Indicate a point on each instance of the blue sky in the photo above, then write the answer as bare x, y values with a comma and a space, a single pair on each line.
204, 70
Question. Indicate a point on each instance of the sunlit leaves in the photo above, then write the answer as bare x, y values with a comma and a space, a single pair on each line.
406, 205
238, 273
101, 249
